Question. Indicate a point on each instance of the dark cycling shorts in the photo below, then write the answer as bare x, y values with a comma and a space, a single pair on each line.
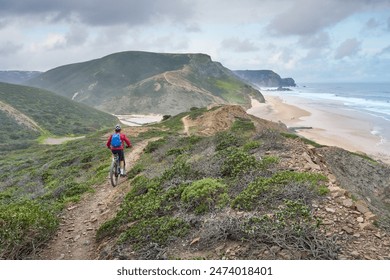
120, 153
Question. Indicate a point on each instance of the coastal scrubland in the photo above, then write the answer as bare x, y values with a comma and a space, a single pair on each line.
205, 187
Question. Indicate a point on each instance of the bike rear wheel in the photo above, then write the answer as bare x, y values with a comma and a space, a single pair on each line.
114, 173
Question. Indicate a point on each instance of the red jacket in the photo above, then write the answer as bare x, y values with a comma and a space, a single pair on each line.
124, 139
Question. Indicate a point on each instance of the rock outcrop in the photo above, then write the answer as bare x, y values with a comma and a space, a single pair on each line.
265, 78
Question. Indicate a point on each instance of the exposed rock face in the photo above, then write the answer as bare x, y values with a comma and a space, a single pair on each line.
288, 82
369, 181
265, 78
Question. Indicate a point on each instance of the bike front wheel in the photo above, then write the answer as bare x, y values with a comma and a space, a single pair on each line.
114, 174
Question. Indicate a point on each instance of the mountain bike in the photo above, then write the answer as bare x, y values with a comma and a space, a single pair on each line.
115, 170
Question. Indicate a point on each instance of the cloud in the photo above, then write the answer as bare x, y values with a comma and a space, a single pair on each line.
317, 41
3, 24
386, 50
372, 23
99, 12
193, 28
283, 59
388, 24
76, 36
237, 45
8, 48
384, 53
349, 47
306, 17
52, 41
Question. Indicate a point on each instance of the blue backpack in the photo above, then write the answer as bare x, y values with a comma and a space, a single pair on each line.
116, 140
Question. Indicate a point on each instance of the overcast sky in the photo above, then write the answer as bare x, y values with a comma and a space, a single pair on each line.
309, 40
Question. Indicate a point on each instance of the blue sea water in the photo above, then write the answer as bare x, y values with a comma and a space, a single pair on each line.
372, 99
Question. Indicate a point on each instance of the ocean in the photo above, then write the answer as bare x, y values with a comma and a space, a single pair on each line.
368, 99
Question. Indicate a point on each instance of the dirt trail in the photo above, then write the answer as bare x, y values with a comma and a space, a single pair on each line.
75, 239
186, 125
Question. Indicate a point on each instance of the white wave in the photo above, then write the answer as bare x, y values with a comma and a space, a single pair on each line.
379, 108
74, 95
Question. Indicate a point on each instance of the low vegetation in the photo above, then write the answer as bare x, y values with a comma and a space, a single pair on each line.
188, 195
180, 182
35, 185
53, 114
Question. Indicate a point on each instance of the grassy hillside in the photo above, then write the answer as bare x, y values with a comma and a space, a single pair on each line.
28, 113
142, 82
35, 185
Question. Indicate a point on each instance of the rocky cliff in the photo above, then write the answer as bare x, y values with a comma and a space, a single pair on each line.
265, 78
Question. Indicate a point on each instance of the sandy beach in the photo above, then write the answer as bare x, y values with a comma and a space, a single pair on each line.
325, 125
138, 120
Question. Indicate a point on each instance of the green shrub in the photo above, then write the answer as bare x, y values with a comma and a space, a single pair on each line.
23, 227
196, 112
180, 169
237, 162
224, 140
158, 230
190, 140
143, 200
293, 210
289, 135
269, 188
177, 151
153, 146
137, 169
323, 190
251, 145
146, 200
241, 125
205, 195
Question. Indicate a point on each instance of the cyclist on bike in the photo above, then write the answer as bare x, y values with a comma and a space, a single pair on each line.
116, 143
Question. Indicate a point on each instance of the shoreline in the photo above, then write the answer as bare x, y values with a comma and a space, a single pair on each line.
345, 129
138, 119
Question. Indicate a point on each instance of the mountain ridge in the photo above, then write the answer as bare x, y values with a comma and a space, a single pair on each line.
17, 76
145, 82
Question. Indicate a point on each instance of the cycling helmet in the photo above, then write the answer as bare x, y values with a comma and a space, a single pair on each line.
117, 127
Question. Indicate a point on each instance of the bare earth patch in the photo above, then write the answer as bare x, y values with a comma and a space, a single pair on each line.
58, 141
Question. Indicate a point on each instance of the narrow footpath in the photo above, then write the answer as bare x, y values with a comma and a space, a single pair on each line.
75, 238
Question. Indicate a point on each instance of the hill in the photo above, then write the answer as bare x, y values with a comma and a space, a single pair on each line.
143, 82
238, 187
265, 78
205, 184
17, 77
28, 113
